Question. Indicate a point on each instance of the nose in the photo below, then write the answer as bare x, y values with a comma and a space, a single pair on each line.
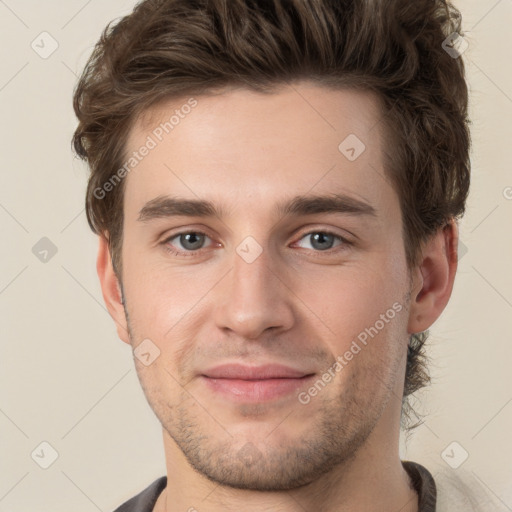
254, 297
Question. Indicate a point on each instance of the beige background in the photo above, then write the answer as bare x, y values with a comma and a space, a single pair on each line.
67, 380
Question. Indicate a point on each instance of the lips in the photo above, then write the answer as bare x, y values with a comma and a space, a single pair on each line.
270, 371
253, 384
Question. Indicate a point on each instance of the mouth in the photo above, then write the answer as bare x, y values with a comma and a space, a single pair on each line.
253, 384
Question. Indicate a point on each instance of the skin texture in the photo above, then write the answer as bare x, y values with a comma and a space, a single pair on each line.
295, 304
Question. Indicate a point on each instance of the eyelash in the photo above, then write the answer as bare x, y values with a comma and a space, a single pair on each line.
175, 252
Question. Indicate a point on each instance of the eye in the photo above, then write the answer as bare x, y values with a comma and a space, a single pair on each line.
322, 241
190, 241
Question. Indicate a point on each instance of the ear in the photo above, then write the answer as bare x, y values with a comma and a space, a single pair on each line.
111, 289
433, 279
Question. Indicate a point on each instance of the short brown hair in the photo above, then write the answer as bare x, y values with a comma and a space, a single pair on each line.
168, 49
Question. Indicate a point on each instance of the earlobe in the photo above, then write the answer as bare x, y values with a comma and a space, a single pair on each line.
111, 289
434, 278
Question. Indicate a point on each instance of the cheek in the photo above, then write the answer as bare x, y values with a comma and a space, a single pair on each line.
355, 299
162, 300
364, 306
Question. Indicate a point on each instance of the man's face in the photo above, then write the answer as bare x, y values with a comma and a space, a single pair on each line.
257, 307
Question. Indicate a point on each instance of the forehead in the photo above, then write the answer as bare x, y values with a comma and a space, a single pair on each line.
303, 95
321, 106
240, 144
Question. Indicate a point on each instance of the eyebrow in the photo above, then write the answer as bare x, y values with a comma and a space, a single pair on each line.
166, 206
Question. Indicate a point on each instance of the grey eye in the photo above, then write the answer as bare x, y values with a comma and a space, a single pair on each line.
321, 240
191, 241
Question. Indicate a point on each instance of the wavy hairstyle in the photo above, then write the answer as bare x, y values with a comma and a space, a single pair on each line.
168, 49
